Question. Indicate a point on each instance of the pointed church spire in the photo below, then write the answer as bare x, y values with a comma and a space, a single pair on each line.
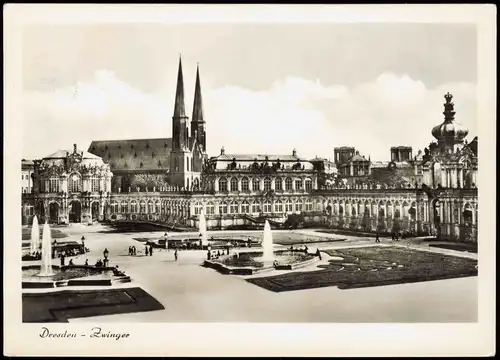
179, 109
198, 103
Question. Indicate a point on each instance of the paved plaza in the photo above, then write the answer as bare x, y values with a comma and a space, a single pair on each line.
192, 293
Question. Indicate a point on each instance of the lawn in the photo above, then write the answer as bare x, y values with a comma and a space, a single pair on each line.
63, 305
457, 247
373, 266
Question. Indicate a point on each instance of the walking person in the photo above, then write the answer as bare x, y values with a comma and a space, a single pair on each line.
377, 239
175, 254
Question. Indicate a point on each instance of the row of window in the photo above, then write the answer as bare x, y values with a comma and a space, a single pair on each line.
223, 208
74, 185
255, 184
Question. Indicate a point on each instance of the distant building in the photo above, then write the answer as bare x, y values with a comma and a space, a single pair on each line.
26, 176
173, 181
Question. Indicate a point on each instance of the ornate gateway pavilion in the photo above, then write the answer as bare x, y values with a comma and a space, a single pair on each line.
68, 187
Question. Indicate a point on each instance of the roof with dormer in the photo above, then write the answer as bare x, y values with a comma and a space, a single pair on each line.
134, 154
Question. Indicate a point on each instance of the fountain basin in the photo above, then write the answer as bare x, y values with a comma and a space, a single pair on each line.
249, 263
76, 275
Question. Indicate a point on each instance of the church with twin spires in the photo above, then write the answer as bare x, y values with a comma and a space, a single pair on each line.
161, 162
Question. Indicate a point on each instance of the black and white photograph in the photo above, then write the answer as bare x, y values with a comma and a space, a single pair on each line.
230, 172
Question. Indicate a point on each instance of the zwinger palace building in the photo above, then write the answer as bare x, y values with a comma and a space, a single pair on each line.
172, 181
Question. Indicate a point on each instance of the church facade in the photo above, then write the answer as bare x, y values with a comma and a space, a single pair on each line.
150, 164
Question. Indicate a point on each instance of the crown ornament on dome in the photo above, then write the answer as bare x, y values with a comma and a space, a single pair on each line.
449, 129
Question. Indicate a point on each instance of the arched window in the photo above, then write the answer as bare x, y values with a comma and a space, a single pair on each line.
267, 184
197, 208
289, 206
223, 184
124, 207
158, 207
210, 208
133, 206
222, 208
267, 207
288, 184
255, 208
54, 185
278, 207
74, 183
255, 184
95, 185
244, 184
309, 184
30, 210
142, 207
278, 184
114, 207
151, 208
234, 184
298, 206
245, 207
163, 207
309, 205
299, 184
234, 207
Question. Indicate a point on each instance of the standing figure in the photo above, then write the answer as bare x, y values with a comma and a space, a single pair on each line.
62, 259
175, 254
150, 250
377, 239
86, 262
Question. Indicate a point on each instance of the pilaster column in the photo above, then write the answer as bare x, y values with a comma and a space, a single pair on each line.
474, 176
443, 177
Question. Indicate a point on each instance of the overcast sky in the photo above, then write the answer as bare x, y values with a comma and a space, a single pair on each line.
266, 88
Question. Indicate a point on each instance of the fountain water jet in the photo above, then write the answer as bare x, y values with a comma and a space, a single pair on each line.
267, 244
203, 229
35, 236
46, 267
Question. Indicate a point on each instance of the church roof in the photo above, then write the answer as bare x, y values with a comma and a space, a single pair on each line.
134, 154
61, 154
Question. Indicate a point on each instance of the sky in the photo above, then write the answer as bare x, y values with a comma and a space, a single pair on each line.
267, 88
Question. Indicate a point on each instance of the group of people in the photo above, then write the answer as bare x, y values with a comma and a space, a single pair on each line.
132, 251
100, 263
216, 254
395, 236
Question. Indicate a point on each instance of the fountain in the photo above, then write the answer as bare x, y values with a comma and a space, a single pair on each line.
267, 244
35, 236
46, 267
203, 229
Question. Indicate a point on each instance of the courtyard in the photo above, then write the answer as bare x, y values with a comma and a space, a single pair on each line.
192, 293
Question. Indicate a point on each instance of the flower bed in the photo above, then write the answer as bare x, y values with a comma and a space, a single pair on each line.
373, 266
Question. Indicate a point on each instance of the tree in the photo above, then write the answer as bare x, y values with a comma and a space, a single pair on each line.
150, 181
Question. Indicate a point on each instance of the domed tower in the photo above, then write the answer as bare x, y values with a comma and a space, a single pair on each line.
450, 134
